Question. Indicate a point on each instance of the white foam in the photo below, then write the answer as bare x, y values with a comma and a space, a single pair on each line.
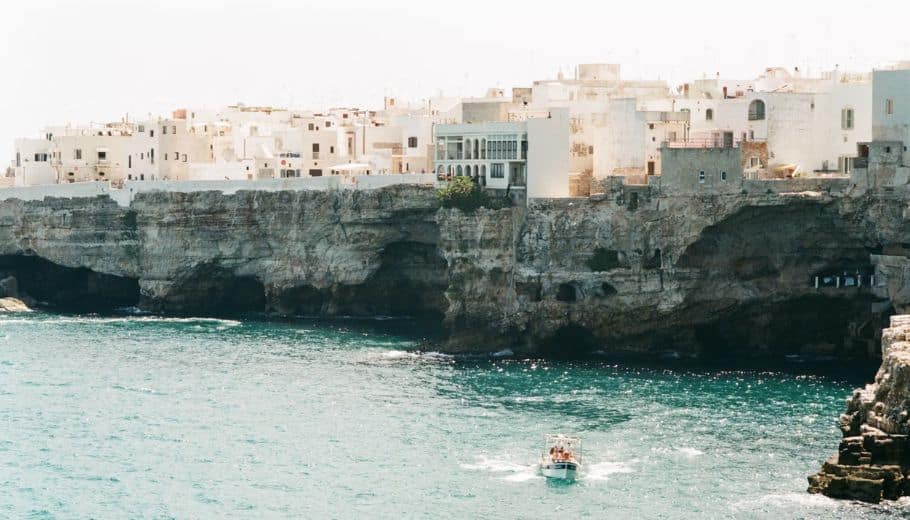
689, 452
126, 319
789, 500
404, 355
516, 472
603, 470
503, 353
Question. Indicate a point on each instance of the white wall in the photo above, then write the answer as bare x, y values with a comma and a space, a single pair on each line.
548, 155
893, 85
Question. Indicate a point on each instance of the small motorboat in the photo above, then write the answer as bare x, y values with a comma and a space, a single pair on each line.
561, 458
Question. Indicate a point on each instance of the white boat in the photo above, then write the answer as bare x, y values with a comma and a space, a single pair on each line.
561, 458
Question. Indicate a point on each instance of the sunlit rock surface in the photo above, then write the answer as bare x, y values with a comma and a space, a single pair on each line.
873, 461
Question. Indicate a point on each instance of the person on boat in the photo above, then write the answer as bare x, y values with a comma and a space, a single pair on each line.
553, 452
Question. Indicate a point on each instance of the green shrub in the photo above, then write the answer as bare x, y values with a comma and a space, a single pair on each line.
464, 194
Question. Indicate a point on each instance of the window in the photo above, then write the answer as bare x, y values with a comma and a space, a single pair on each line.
701, 176
723, 176
887, 149
315, 173
331, 149
412, 142
18, 159
590, 149
311, 126
650, 167
497, 171
650, 126
141, 129
754, 162
102, 155
184, 157
77, 154
163, 130
889, 107
165, 156
328, 124
129, 161
152, 155
846, 119
845, 164
151, 133
709, 114
174, 130
756, 110
315, 147
40, 157
176, 156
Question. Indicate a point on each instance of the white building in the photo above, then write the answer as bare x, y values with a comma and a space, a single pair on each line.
530, 155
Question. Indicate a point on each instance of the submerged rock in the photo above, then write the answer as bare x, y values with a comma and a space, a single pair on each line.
13, 305
873, 461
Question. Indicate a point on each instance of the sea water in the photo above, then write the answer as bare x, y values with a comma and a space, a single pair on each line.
147, 417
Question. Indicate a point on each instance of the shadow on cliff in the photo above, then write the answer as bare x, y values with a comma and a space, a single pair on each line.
410, 280
65, 288
758, 296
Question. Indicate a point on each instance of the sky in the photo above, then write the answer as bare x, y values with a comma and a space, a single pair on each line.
99, 60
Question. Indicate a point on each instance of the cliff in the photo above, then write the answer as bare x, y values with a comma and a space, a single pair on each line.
873, 461
633, 272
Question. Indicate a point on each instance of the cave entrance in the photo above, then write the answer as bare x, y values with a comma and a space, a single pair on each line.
570, 341
215, 291
410, 281
67, 288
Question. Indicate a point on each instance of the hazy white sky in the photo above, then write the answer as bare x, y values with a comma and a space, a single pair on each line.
96, 60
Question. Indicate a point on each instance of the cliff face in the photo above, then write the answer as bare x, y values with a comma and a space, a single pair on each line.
291, 253
695, 276
629, 273
873, 461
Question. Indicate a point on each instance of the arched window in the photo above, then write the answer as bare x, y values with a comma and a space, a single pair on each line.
483, 148
476, 171
709, 114
846, 119
476, 149
458, 171
441, 170
467, 149
756, 110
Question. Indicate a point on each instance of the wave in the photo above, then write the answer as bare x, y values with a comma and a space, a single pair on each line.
404, 355
122, 319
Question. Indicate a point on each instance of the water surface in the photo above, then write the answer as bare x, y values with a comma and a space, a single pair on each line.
145, 417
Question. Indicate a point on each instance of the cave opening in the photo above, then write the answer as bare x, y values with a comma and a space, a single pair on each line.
212, 290
570, 342
567, 293
79, 289
812, 326
410, 281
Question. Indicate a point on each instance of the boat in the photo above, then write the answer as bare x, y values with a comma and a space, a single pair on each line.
561, 458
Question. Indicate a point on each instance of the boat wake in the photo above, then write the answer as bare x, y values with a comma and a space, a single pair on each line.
514, 472
603, 470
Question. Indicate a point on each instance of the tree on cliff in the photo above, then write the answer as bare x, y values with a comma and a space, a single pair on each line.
465, 194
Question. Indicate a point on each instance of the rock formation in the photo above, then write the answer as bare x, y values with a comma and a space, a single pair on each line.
873, 461
631, 272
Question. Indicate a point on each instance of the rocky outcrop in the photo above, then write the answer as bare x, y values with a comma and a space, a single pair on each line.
873, 461
634, 273
10, 304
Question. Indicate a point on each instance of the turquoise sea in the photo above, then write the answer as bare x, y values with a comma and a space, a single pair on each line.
146, 417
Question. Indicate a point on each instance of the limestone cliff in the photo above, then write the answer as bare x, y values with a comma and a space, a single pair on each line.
873, 462
632, 272
726, 274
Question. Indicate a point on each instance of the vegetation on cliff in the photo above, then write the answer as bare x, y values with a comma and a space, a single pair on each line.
465, 194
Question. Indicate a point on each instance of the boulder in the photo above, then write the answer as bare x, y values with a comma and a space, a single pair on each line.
13, 305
